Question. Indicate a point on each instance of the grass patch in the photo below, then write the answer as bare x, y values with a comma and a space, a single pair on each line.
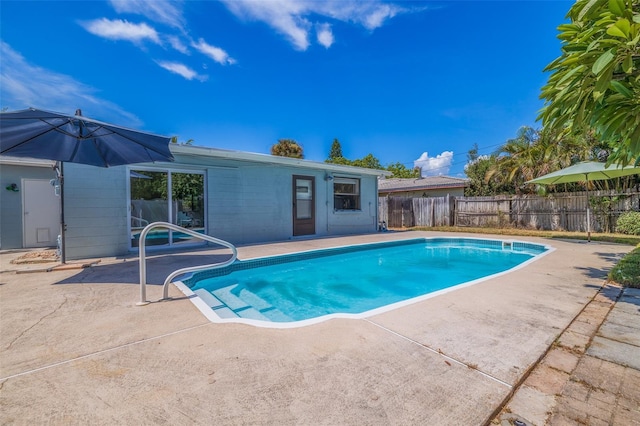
627, 271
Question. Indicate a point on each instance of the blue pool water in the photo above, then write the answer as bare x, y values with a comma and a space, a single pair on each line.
351, 280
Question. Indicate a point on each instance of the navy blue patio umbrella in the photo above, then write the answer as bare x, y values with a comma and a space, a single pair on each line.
64, 138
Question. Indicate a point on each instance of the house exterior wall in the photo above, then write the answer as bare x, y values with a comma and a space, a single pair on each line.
11, 209
247, 202
254, 204
96, 211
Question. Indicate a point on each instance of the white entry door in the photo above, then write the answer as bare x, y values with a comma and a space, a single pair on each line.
41, 213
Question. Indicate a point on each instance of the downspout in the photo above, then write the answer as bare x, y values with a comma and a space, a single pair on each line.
328, 194
376, 219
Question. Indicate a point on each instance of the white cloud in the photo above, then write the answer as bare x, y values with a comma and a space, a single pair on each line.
215, 53
434, 166
369, 14
121, 30
178, 45
182, 70
291, 17
285, 16
166, 12
25, 85
375, 18
161, 11
324, 34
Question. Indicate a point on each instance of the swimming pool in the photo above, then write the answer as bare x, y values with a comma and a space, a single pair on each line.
354, 281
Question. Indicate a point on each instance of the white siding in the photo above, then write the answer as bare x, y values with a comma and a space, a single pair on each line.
95, 211
252, 203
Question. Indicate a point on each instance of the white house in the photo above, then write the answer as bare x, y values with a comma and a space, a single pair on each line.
237, 196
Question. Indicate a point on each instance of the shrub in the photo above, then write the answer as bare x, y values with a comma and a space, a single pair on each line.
629, 223
627, 271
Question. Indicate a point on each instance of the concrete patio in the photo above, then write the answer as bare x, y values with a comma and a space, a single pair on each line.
75, 349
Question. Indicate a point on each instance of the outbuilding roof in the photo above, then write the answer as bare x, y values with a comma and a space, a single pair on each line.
420, 184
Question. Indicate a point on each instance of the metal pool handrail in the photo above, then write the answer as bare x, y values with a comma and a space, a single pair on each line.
165, 288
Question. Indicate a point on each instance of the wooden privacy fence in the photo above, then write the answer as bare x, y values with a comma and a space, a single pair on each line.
402, 212
557, 212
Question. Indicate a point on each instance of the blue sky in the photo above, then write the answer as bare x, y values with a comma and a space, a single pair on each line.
415, 82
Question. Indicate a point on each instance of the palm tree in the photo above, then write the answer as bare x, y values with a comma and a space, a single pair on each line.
174, 139
533, 153
516, 159
287, 148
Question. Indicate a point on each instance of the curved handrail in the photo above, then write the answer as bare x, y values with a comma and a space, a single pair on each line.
165, 288
140, 220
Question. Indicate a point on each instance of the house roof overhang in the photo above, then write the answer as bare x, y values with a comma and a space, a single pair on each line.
25, 161
189, 150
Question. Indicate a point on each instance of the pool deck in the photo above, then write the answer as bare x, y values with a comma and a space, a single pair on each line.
549, 343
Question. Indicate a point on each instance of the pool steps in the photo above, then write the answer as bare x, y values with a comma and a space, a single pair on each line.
227, 305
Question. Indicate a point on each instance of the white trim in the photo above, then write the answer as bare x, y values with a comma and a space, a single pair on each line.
24, 161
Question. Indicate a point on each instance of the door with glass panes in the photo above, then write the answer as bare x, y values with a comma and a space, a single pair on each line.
304, 212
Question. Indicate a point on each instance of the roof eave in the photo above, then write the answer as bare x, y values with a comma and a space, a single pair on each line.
272, 159
25, 161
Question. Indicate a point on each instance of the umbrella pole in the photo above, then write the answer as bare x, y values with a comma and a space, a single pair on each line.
588, 212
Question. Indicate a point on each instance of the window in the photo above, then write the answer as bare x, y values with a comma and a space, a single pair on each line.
177, 197
346, 194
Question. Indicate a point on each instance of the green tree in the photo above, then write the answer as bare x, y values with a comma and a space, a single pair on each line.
476, 170
399, 170
336, 151
340, 160
287, 148
368, 161
595, 83
335, 155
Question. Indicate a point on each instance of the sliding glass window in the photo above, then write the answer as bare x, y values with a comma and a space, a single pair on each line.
166, 196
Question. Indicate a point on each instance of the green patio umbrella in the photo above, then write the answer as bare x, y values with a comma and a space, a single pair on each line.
584, 172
